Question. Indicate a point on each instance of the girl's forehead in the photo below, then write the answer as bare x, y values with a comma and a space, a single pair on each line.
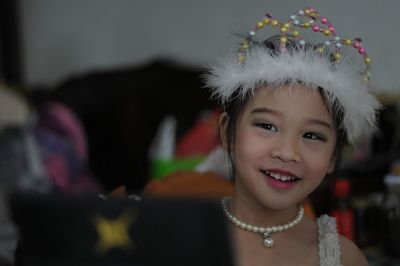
290, 98
290, 90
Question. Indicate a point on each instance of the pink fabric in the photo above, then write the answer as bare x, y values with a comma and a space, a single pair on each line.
62, 142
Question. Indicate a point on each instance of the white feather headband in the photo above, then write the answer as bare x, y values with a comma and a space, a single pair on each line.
341, 81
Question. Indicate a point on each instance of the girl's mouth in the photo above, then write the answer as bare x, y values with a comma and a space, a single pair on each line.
280, 180
281, 177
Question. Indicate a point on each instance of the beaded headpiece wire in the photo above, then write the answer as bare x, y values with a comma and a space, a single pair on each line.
308, 18
325, 66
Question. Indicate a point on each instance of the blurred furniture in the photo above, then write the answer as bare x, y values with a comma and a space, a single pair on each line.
121, 110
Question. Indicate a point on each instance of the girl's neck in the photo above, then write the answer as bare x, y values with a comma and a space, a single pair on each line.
257, 214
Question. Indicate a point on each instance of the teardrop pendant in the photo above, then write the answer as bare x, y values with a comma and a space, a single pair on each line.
267, 240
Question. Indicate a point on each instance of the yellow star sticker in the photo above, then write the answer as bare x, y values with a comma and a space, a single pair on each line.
114, 233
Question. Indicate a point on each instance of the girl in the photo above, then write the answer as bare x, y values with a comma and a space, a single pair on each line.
290, 107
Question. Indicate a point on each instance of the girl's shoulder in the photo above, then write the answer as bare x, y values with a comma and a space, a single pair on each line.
351, 254
335, 249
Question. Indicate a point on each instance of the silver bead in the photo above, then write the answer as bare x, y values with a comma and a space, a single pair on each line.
252, 33
301, 12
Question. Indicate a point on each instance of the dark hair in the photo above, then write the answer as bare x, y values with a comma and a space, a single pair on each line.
235, 106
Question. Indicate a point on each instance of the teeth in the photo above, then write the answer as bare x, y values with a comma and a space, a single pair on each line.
280, 177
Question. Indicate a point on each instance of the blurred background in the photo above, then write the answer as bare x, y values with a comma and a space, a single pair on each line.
101, 94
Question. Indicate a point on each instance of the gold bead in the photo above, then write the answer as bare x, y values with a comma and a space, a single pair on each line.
320, 50
245, 46
287, 25
367, 60
283, 40
242, 58
284, 29
348, 41
274, 23
306, 24
260, 25
296, 33
267, 21
327, 32
337, 56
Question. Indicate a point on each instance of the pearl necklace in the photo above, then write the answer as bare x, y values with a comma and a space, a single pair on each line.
265, 231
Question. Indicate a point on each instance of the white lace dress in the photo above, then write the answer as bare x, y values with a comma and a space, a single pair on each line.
329, 247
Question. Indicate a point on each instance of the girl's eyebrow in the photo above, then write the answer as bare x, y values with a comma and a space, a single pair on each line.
310, 121
264, 110
320, 122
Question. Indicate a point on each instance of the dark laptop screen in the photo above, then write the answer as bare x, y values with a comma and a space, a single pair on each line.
88, 230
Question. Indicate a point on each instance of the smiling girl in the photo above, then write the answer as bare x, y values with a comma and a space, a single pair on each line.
290, 107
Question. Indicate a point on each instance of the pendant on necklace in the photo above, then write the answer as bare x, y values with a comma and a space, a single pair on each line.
267, 240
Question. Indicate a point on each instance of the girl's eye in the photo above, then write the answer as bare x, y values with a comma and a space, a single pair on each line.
313, 136
267, 126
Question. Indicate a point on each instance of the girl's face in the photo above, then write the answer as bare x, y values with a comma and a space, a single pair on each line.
284, 144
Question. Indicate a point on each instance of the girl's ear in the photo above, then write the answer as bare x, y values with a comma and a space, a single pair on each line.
223, 127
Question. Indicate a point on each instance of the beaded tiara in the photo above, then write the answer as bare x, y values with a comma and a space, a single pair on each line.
325, 65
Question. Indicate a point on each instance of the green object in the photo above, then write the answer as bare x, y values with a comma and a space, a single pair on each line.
162, 167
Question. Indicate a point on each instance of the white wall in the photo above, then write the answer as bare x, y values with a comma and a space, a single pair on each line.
71, 37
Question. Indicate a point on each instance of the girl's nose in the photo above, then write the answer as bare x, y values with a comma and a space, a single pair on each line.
285, 150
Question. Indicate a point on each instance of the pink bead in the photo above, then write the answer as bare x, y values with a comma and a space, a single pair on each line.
361, 51
315, 28
356, 45
331, 29
324, 20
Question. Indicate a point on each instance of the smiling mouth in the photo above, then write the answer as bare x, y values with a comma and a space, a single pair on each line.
280, 177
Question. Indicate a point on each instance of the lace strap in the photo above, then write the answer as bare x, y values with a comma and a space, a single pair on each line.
329, 247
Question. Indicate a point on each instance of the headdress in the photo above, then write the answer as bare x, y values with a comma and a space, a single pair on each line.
318, 65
